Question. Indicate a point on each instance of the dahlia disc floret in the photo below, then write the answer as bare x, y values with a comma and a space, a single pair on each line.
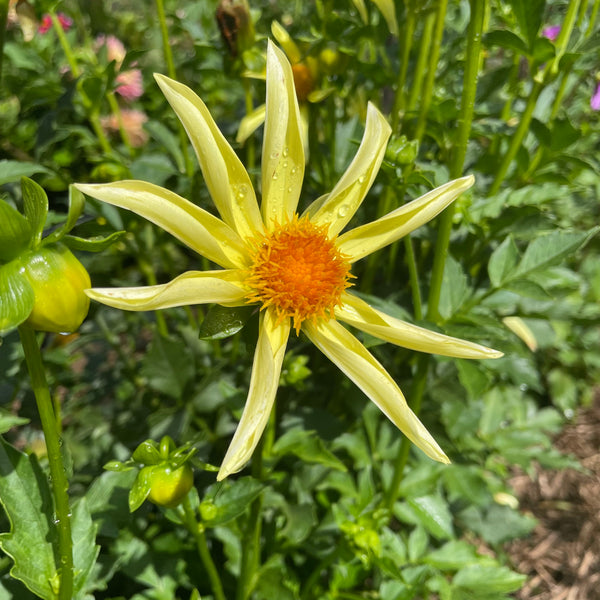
295, 267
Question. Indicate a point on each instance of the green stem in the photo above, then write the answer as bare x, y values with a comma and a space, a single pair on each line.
413, 274
197, 530
164, 33
593, 16
416, 398
473, 54
60, 485
116, 111
421, 66
250, 145
405, 48
432, 68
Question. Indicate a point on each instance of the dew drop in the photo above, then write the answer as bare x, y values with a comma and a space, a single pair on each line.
285, 164
343, 211
274, 176
289, 189
361, 179
286, 151
294, 170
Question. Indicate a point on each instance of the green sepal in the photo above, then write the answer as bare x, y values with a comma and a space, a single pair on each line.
140, 489
147, 453
76, 204
223, 321
95, 244
15, 232
16, 297
35, 202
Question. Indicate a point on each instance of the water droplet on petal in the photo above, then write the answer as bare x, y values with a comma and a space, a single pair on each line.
274, 176
361, 179
286, 151
343, 211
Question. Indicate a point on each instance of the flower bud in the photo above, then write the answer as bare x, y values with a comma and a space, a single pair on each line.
235, 22
58, 280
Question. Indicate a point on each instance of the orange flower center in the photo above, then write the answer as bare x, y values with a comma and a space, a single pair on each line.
299, 271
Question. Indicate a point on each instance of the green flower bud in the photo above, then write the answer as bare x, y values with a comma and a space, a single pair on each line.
402, 151
58, 280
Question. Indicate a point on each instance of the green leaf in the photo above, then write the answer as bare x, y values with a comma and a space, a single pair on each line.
147, 453
454, 288
13, 170
95, 244
434, 514
140, 489
529, 14
307, 446
168, 366
85, 550
503, 261
35, 203
15, 232
506, 39
452, 555
527, 289
485, 580
228, 500
563, 135
25, 496
550, 249
16, 297
222, 321
8, 421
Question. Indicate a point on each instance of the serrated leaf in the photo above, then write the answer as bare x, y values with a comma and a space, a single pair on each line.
26, 498
307, 446
529, 14
35, 203
223, 321
550, 249
434, 514
454, 288
503, 261
13, 170
16, 297
15, 232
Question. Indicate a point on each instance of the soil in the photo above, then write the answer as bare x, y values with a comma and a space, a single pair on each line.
562, 555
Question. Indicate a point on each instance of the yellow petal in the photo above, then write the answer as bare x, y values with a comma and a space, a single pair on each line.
361, 241
268, 357
226, 178
351, 189
345, 351
362, 10
286, 42
282, 154
193, 287
250, 123
195, 227
522, 330
359, 314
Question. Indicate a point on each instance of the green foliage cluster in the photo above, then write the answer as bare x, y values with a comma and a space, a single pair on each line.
334, 504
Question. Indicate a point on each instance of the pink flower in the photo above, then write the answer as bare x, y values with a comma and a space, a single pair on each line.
130, 84
595, 99
46, 23
551, 32
133, 121
115, 50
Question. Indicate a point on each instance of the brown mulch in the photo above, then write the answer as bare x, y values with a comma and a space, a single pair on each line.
562, 555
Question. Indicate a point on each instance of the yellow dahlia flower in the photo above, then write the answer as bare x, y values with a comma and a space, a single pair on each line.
296, 268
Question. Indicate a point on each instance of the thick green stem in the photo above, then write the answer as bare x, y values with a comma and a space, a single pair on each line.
197, 530
164, 33
60, 485
473, 54
432, 69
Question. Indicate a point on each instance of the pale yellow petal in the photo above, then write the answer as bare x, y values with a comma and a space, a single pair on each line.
283, 154
286, 42
359, 314
195, 227
361, 241
268, 357
226, 178
345, 351
250, 123
362, 10
388, 10
522, 330
193, 287
351, 189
